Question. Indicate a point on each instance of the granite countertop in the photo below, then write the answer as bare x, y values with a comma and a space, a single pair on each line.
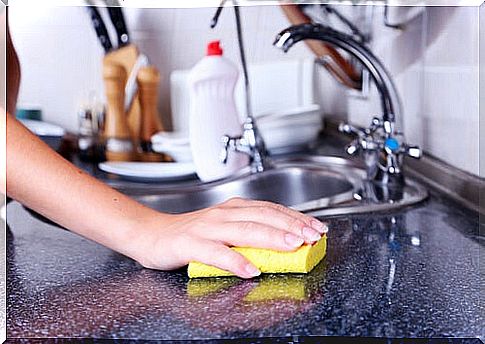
412, 273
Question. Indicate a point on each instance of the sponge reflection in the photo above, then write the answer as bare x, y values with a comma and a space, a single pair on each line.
297, 287
233, 304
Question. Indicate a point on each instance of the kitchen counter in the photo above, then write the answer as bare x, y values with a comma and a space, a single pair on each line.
417, 272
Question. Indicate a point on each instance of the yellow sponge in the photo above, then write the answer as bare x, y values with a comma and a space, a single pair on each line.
302, 260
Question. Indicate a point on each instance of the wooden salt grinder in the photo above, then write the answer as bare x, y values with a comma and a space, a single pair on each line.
148, 83
119, 144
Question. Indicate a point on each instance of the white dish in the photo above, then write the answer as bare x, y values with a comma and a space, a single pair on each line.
180, 153
170, 138
281, 130
41, 128
292, 122
297, 112
285, 138
291, 129
150, 171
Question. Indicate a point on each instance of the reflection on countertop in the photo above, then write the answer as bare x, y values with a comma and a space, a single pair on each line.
414, 273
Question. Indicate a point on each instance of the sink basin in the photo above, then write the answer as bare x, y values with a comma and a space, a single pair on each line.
291, 186
317, 185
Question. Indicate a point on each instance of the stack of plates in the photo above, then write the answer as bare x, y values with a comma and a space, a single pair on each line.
292, 129
282, 131
174, 144
150, 171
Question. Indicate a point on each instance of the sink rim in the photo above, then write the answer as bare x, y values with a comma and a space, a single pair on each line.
355, 174
287, 168
307, 161
352, 171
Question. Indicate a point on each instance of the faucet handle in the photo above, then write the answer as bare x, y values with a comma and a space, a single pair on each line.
353, 148
226, 141
392, 146
413, 151
366, 140
349, 129
376, 139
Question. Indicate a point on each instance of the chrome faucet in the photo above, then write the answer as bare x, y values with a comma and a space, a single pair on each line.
251, 141
381, 145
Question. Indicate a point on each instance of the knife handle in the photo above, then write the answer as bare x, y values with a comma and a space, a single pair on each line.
100, 28
118, 20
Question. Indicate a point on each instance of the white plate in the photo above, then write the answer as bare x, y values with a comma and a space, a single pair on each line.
150, 171
178, 153
287, 138
170, 138
311, 110
43, 128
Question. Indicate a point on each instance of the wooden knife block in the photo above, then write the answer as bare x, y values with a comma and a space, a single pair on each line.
141, 124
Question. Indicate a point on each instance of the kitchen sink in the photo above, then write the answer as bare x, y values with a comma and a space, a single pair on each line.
316, 185
319, 185
288, 185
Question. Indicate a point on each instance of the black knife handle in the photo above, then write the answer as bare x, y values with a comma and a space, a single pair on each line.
118, 20
100, 28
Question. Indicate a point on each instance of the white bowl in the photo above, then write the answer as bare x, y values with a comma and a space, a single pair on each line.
180, 153
297, 112
290, 130
170, 138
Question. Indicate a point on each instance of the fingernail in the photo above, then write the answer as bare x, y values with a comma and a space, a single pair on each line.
319, 226
311, 234
293, 240
252, 270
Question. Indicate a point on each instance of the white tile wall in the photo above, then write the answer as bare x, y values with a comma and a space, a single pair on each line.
61, 57
434, 61
435, 65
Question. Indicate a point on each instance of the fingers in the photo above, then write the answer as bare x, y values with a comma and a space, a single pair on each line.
274, 218
257, 235
308, 220
246, 223
222, 257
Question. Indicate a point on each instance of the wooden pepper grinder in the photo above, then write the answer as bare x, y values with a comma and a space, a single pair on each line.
148, 83
119, 144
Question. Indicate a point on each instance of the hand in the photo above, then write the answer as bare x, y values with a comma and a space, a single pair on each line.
206, 235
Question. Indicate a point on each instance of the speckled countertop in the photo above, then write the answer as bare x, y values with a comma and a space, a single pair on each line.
414, 273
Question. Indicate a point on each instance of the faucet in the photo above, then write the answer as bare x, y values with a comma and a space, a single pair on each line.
250, 142
381, 145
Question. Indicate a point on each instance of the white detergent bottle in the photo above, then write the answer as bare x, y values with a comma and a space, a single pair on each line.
213, 114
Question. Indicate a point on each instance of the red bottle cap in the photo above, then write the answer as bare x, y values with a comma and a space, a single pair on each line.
214, 48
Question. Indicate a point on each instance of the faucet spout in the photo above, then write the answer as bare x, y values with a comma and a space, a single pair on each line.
391, 104
381, 144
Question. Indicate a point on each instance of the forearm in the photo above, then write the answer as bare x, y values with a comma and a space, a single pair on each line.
42, 180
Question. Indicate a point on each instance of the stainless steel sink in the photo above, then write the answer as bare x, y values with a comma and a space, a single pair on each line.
314, 184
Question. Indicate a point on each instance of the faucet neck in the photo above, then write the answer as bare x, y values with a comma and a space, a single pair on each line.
381, 145
390, 101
